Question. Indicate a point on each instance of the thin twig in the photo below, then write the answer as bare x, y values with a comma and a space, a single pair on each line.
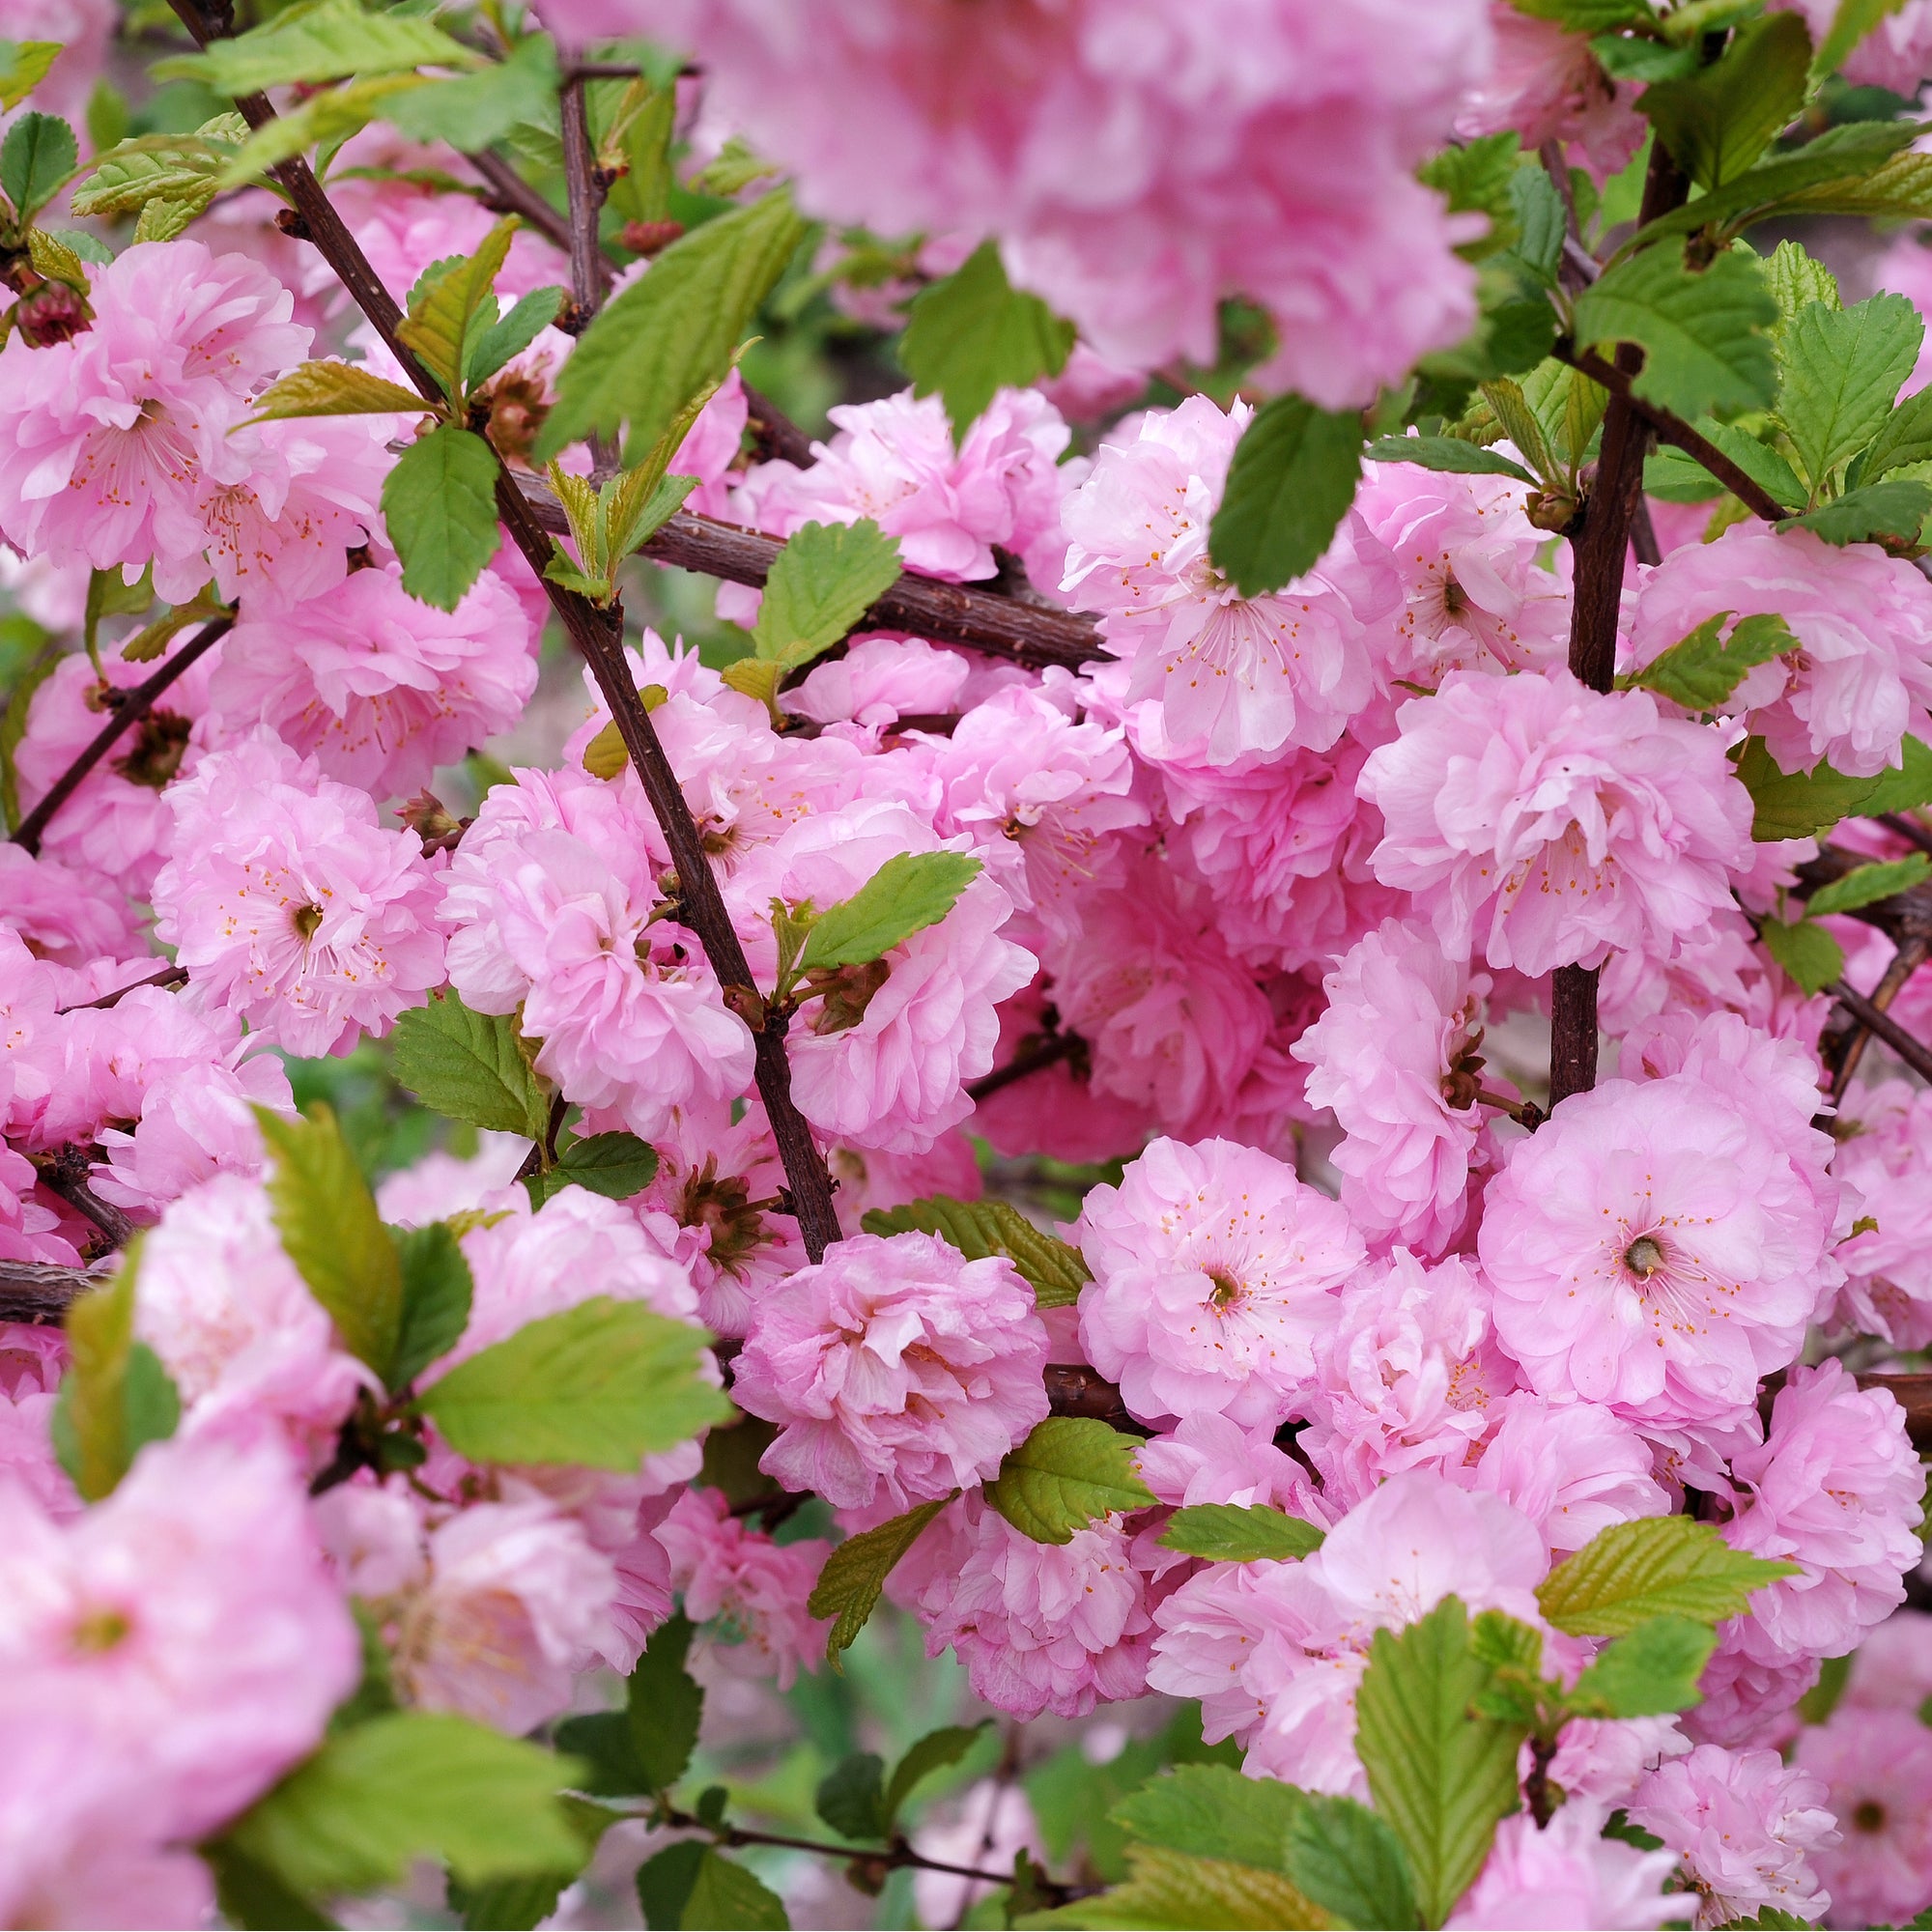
511, 194
1904, 963
129, 708
65, 1176
588, 277
168, 976
1874, 1019
1049, 1052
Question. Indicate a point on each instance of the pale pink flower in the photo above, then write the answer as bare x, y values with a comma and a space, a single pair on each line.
1233, 676
1876, 1767
290, 905
880, 680
442, 1184
1547, 85
1883, 1160
1654, 1249
380, 688
750, 1589
1395, 1056
373, 1536
987, 1825
1906, 267
1091, 387
1566, 1873
32, 1361
1895, 52
66, 916
1208, 1459
30, 1229
711, 448
1742, 1825
1892, 1670
1215, 1272
1748, 1703
866, 1177
1572, 1468
899, 1371
196, 1122
1860, 676
1542, 824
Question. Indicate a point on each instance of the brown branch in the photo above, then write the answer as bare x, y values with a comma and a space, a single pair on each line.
1052, 1049
598, 636
589, 274
511, 194
65, 1174
168, 976
41, 1291
1876, 1020
1905, 962
129, 708
1073, 1389
773, 432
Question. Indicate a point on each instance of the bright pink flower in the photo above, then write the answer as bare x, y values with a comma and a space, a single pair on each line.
1207, 1459
1542, 824
1892, 1671
880, 680
66, 916
379, 688
1741, 1823
1748, 1703
1547, 85
1883, 1160
1572, 1468
1567, 1873
1391, 1054
1653, 1248
290, 905
1860, 676
1215, 1272
1877, 1771
196, 1122
899, 1371
753, 1588
32, 1361
30, 1230
1233, 676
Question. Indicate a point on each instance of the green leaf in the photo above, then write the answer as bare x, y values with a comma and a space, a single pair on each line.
1795, 804
436, 1295
1228, 1533
972, 333
253, 1897
1702, 335
116, 1397
1841, 368
855, 1573
1699, 671
36, 157
1850, 24
1348, 1862
674, 329
1629, 58
603, 1384
1589, 17
472, 111
411, 1784
603, 1741
326, 118
328, 42
665, 1706
1440, 1778
23, 66
1068, 1472
1476, 179
469, 1066
1795, 280
1167, 1888
724, 1894
1293, 478
523, 1902
1865, 884
827, 577
978, 1228
1905, 437
1762, 464
1822, 1700
1894, 509
1812, 958
1719, 121
334, 390
933, 1752
1661, 1566
909, 892
851, 1797
1906, 788
440, 503
1649, 1673
451, 306
1768, 1919
14, 727
511, 334
110, 595
1214, 1812
174, 167
1447, 453
80, 244
665, 1882
614, 1165
330, 1227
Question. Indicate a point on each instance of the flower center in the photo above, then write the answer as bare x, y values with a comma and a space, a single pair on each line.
100, 1631
1227, 1289
305, 918
1644, 1257
1869, 1816
1455, 600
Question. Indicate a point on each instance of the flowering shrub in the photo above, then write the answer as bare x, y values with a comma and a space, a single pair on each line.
1225, 1016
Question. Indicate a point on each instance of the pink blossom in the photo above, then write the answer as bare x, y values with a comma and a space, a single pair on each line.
1741, 1823
1208, 1459
1547, 85
711, 449
83, 30
1233, 676
1876, 1767
749, 1588
1395, 1055
899, 1371
30, 1230
1860, 676
290, 905
1039, 1626
442, 1184
1835, 1488
108, 440
1748, 1703
867, 1179
1892, 1670
379, 688
1906, 267
196, 1122
1895, 53
32, 1360
880, 680
988, 1825
1653, 1248
1573, 1468
1566, 1873
1884, 1161
1542, 824
1091, 387
66, 916
1215, 1272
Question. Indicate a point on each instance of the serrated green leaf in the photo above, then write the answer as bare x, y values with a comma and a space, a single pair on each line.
1348, 1862
1649, 1673
23, 66
1841, 368
330, 116
1661, 1566
1906, 788
1292, 480
909, 892
972, 333
615, 1165
1701, 670
1895, 508
116, 1397
469, 1066
329, 1229
334, 390
1068, 1472
1705, 351
1865, 885
1904, 437
664, 1883
410, 1784
36, 157
1717, 122
1214, 1812
849, 1586
934, 1751
827, 577
603, 1384
1166, 1888
1448, 453
439, 506
1521, 423
452, 307
674, 329
1795, 280
437, 1293
1475, 177
1440, 1778
81, 246
1541, 222
724, 1894
1229, 1533
1795, 804
1629, 57
310, 44
181, 167
665, 1706
14, 727
475, 110
602, 1742
978, 1228
1762, 464
851, 1797
163, 220
513, 332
